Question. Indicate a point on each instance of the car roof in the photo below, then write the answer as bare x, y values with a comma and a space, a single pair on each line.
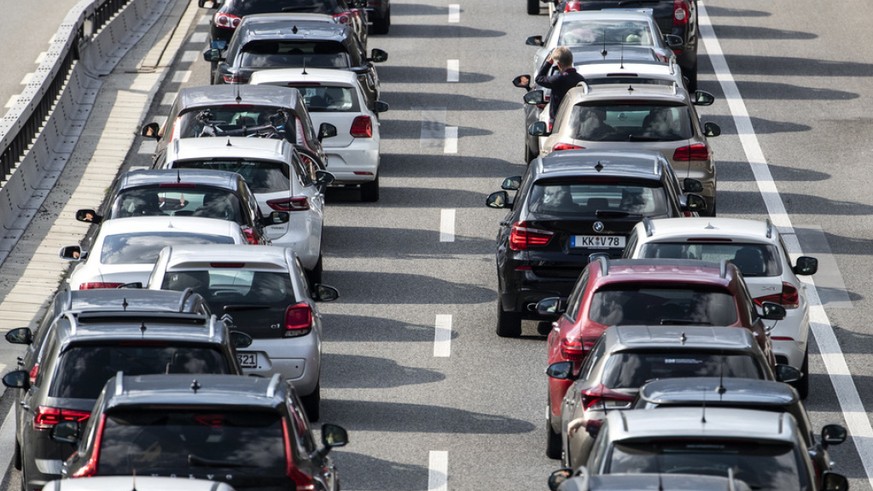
714, 390
618, 14
179, 328
651, 482
199, 177
250, 257
608, 92
258, 27
138, 483
571, 163
260, 95
202, 390
620, 338
687, 423
125, 300
230, 147
710, 228
184, 224
294, 16
304, 75
594, 55
687, 271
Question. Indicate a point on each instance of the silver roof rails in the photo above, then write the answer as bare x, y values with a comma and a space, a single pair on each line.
186, 294
119, 383
649, 226
274, 382
769, 229
722, 268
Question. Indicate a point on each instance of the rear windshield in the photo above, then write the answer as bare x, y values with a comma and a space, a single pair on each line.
144, 247
83, 370
180, 201
232, 120
247, 7
262, 176
329, 98
586, 199
758, 464
290, 54
647, 305
629, 370
751, 259
213, 440
631, 122
224, 286
581, 32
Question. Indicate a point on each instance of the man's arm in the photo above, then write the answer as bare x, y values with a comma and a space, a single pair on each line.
543, 78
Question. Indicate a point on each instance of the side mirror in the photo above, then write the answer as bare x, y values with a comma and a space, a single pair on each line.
690, 185
534, 41
695, 202
88, 216
831, 481
833, 435
380, 107
276, 218
538, 129
71, 253
550, 307
326, 130
239, 339
558, 477
20, 335
673, 41
772, 311
325, 293
522, 82
787, 373
19, 379
151, 130
535, 97
498, 199
333, 436
377, 55
323, 178
805, 266
212, 55
66, 432
562, 370
511, 183
703, 98
711, 130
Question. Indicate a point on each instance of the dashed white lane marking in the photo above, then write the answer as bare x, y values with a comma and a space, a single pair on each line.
437, 470
7, 434
454, 13
204, 20
39, 58
199, 37
189, 56
453, 70
147, 147
442, 336
451, 140
181, 76
11, 102
168, 98
433, 128
835, 362
27, 78
447, 225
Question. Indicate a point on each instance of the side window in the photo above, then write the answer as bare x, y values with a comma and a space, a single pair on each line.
785, 252
301, 170
752, 314
590, 364
301, 279
302, 430
631, 246
47, 355
598, 452
573, 303
172, 120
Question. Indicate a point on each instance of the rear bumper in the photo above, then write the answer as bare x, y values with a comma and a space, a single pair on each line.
297, 360
358, 163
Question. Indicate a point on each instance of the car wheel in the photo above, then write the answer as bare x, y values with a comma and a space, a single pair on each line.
553, 440
381, 25
533, 7
16, 457
802, 385
312, 403
315, 274
370, 191
508, 323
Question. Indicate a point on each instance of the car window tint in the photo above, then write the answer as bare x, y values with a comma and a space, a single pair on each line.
581, 32
586, 199
177, 441
248, 7
144, 247
329, 98
574, 303
630, 370
222, 286
229, 120
83, 370
630, 122
194, 201
645, 305
752, 259
262, 176
314, 54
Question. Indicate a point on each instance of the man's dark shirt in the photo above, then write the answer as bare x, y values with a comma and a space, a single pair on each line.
560, 83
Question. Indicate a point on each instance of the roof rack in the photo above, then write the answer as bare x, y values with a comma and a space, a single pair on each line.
623, 420
769, 229
604, 264
650, 227
722, 268
274, 382
186, 294
119, 384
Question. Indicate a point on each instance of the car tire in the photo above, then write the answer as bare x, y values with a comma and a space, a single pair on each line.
315, 274
312, 403
381, 25
508, 323
802, 385
370, 191
553, 440
16, 457
533, 7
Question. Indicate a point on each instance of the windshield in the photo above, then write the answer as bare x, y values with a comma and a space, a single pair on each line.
262, 176
227, 286
645, 305
329, 98
576, 32
184, 200
644, 121
629, 370
292, 54
751, 259
144, 247
586, 199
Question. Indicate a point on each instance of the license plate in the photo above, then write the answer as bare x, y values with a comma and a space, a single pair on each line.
247, 360
597, 241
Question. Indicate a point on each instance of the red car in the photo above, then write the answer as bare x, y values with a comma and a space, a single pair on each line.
647, 292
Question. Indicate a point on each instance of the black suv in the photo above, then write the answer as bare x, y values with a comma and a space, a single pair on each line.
78, 351
568, 205
249, 432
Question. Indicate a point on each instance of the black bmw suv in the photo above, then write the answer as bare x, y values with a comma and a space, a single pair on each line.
568, 205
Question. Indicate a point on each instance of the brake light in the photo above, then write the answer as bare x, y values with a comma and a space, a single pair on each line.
302, 481
93, 285
362, 127
298, 203
566, 146
298, 320
680, 13
90, 467
250, 236
46, 417
342, 18
521, 237
788, 298
575, 350
697, 151
600, 397
227, 265
573, 6
177, 185
226, 21
34, 372
235, 78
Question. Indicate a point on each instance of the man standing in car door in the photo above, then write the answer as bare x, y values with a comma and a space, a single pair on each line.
563, 80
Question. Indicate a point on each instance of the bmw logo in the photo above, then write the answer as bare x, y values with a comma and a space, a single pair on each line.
598, 227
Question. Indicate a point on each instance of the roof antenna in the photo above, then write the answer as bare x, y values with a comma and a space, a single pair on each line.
703, 414
178, 176
228, 142
294, 30
142, 329
603, 52
304, 67
621, 57
124, 304
133, 481
195, 385
683, 338
720, 390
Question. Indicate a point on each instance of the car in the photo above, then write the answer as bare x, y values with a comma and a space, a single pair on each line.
567, 206
249, 432
186, 193
635, 117
267, 41
336, 97
125, 250
81, 352
625, 357
140, 483
762, 448
280, 181
746, 394
379, 13
567, 479
758, 250
239, 110
265, 292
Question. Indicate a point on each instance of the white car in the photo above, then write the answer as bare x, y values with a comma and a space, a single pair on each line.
125, 250
336, 97
757, 249
280, 181
139, 483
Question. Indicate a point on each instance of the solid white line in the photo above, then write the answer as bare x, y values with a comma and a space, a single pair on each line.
447, 225
451, 140
7, 434
454, 13
442, 336
453, 70
437, 471
854, 413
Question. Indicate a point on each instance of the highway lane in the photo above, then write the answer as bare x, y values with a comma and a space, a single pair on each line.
483, 405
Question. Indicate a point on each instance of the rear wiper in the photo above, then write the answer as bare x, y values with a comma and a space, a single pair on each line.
640, 138
683, 322
228, 308
202, 462
615, 214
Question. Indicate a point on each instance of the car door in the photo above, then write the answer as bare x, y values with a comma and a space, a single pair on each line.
314, 216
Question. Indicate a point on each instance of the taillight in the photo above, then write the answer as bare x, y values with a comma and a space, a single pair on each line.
235, 78
46, 417
226, 21
566, 146
298, 203
521, 237
788, 298
680, 13
575, 350
250, 236
302, 480
602, 398
362, 127
93, 285
697, 151
342, 18
573, 6
34, 371
90, 467
298, 320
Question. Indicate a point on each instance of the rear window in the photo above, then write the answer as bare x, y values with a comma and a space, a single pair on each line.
630, 122
581, 32
82, 371
646, 305
262, 176
329, 98
144, 247
751, 259
232, 120
290, 54
629, 370
247, 7
223, 286
586, 199
207, 202
209, 440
